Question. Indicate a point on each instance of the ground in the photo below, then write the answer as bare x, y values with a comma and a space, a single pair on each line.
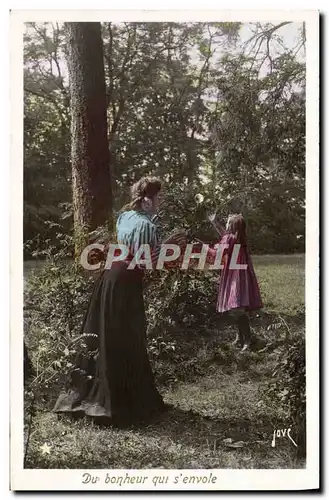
219, 416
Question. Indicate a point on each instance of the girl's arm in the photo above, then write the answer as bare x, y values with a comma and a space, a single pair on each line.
212, 252
219, 228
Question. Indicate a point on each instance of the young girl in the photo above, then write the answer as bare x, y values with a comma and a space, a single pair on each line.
238, 291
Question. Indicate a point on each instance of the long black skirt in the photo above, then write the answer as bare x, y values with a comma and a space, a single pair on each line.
112, 380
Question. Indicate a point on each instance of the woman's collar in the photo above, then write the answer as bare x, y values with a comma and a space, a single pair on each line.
146, 214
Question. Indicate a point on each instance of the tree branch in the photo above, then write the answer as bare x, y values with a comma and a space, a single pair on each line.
259, 38
53, 57
204, 68
266, 33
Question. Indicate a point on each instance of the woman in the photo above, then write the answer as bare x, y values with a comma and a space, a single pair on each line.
112, 379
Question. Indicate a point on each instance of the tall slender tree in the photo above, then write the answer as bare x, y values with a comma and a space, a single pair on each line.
92, 193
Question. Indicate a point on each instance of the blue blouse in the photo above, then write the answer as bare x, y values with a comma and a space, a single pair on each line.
138, 228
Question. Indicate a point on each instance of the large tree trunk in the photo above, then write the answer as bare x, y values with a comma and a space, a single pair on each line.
92, 193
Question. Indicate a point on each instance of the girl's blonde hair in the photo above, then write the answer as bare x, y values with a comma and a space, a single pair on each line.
146, 187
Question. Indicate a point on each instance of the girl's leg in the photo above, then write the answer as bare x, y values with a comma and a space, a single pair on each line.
236, 314
244, 326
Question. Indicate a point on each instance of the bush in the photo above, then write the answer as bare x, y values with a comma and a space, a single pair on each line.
178, 300
55, 301
55, 298
287, 388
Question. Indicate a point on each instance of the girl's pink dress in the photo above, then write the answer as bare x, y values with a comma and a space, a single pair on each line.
237, 288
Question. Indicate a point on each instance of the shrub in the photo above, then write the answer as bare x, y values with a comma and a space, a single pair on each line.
181, 300
55, 298
55, 301
287, 388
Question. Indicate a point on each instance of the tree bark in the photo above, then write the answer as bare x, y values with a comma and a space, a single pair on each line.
91, 176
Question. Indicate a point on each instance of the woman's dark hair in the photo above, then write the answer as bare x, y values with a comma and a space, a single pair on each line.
145, 187
237, 227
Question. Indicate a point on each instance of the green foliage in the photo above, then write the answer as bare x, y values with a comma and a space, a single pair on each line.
55, 298
287, 388
181, 300
180, 209
55, 301
203, 123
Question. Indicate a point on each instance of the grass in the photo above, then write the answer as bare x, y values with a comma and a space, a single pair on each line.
282, 282
217, 395
181, 440
191, 435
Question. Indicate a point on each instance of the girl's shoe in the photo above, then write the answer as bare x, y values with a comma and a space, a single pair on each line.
245, 348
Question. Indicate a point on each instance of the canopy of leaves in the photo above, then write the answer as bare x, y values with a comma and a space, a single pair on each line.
207, 110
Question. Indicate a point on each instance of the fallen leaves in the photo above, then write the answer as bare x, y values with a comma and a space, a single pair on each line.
229, 443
